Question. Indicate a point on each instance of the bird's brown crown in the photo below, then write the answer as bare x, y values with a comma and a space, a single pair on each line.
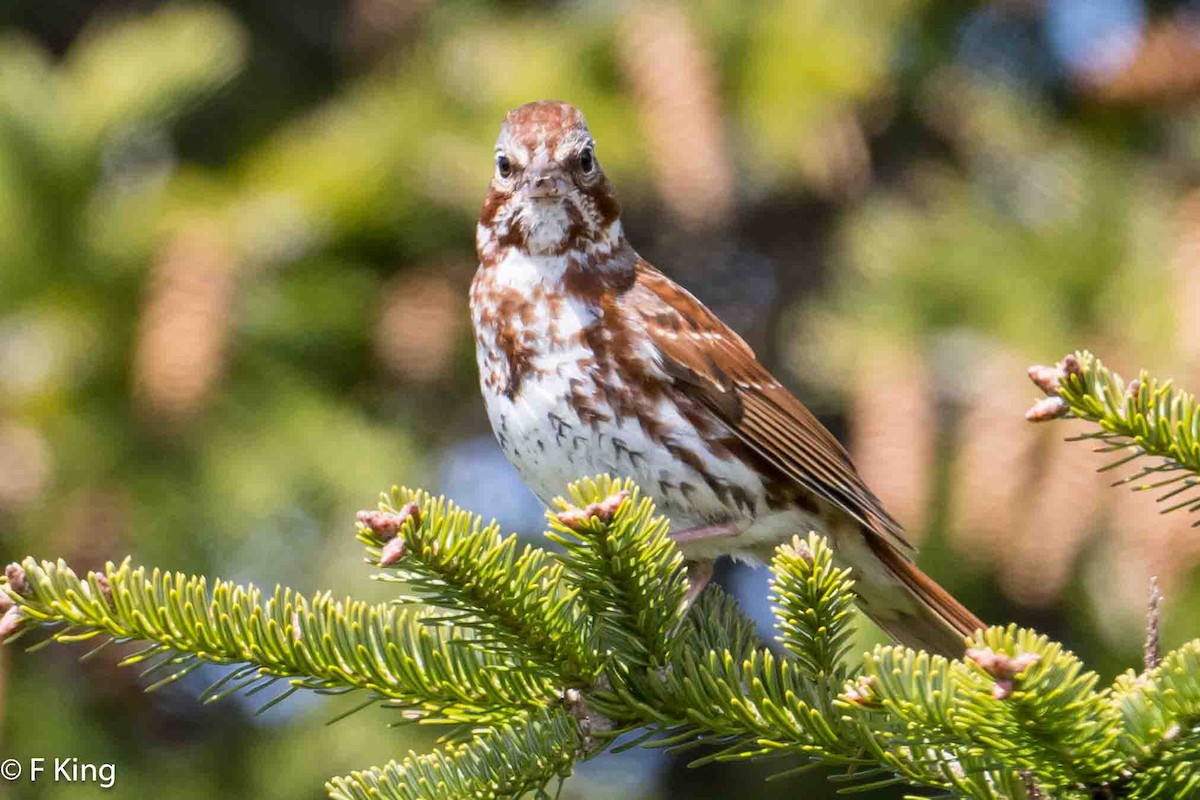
548, 122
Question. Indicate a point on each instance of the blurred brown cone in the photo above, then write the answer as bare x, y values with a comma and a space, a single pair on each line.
675, 88
377, 26
995, 450
26, 464
893, 422
1185, 268
1145, 543
420, 322
185, 324
1164, 66
1056, 514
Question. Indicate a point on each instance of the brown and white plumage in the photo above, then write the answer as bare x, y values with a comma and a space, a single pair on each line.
591, 360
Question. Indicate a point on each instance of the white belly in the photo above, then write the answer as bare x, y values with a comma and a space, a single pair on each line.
543, 434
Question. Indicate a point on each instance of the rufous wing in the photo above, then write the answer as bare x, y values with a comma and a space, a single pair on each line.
714, 364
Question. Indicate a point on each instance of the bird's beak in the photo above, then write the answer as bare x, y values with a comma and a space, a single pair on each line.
544, 184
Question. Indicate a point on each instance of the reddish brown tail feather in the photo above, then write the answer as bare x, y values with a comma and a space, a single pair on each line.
941, 622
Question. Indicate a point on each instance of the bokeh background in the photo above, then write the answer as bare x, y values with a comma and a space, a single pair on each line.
236, 240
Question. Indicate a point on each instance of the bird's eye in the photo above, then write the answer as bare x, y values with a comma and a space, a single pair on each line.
503, 166
587, 161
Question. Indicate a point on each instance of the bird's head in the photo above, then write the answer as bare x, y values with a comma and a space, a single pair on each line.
549, 195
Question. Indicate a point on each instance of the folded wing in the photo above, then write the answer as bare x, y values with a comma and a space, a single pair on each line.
714, 364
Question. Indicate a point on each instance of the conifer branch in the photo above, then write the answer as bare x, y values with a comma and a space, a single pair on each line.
318, 643
505, 762
1034, 706
814, 607
515, 597
1160, 734
1145, 417
549, 659
628, 571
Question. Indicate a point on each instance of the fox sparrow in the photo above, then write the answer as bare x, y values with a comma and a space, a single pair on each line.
591, 360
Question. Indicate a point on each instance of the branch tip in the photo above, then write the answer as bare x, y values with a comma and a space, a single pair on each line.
1070, 366
393, 551
1045, 378
386, 524
103, 584
803, 551
1003, 668
15, 574
1047, 408
861, 692
11, 622
1050, 381
603, 510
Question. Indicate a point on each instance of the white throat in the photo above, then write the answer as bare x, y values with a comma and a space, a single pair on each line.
523, 272
547, 224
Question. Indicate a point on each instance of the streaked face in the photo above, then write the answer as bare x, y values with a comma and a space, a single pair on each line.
548, 194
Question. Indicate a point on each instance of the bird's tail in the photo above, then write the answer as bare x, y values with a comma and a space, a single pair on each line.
933, 620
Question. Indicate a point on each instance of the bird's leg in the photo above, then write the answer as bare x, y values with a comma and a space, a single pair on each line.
699, 574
